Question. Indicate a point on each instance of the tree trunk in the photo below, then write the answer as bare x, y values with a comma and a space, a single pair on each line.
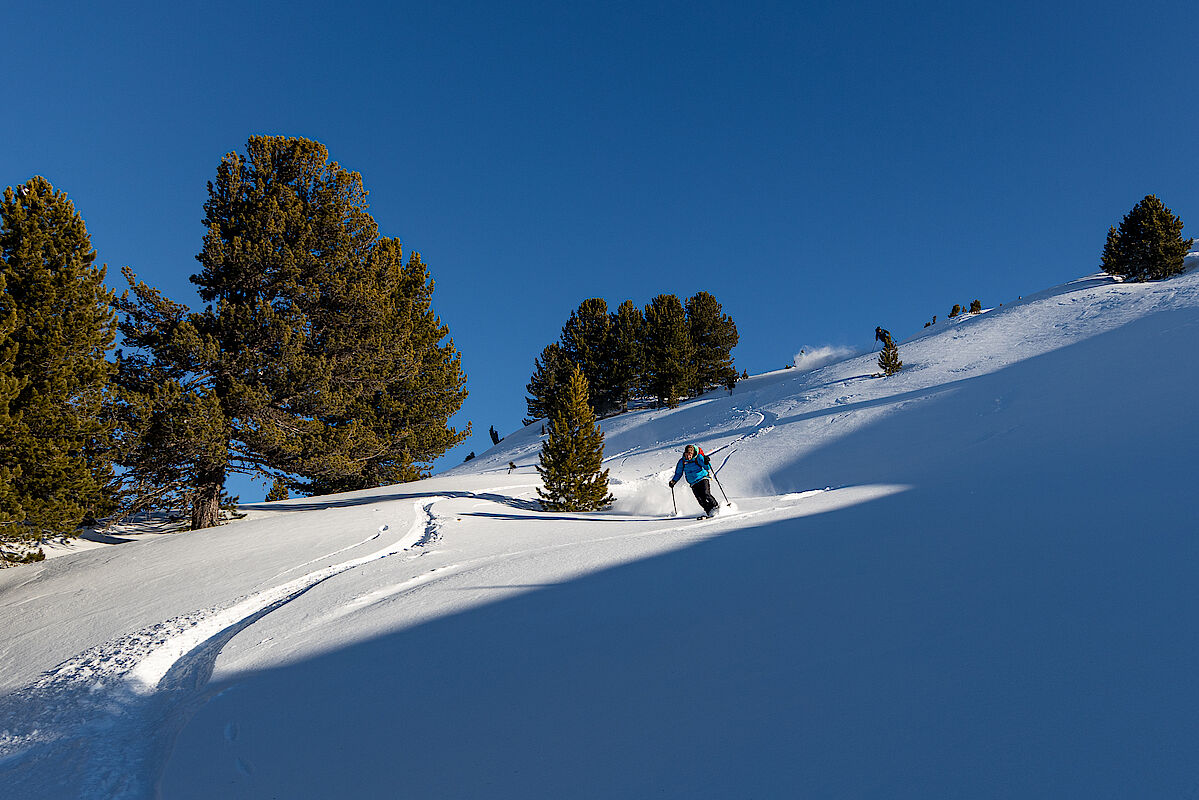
206, 502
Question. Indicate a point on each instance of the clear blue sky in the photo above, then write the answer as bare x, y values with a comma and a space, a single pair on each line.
822, 168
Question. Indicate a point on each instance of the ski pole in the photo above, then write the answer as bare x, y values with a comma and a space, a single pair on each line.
726, 497
676, 502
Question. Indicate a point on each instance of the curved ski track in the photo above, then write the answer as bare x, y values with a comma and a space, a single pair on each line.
113, 711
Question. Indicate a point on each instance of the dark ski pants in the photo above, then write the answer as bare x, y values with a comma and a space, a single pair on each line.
703, 493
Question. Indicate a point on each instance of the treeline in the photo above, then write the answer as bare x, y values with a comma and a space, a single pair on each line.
316, 359
669, 351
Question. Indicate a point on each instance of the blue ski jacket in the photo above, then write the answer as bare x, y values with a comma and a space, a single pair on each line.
695, 469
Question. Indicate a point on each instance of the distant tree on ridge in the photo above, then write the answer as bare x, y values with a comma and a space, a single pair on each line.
1148, 245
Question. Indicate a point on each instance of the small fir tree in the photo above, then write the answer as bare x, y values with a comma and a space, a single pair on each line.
1148, 244
888, 359
976, 307
572, 455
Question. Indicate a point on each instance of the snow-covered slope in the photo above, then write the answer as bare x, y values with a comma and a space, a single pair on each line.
974, 578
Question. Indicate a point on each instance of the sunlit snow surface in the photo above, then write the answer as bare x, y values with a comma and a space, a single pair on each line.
971, 579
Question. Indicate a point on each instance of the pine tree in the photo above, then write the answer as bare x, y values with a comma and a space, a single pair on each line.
14, 544
279, 491
714, 335
10, 385
392, 432
1110, 260
317, 354
1148, 244
669, 351
888, 359
550, 371
628, 352
169, 420
586, 342
572, 455
56, 325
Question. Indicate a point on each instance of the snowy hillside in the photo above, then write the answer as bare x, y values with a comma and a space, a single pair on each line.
973, 579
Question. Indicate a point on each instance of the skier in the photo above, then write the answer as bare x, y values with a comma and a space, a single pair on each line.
881, 334
697, 469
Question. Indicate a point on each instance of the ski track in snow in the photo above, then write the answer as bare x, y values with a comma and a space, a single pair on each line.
112, 712
297, 567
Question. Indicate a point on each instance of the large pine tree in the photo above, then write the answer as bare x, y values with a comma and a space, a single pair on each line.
56, 326
10, 384
714, 335
1148, 245
317, 357
573, 453
669, 351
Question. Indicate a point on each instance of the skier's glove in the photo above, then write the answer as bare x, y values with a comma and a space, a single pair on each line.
671, 484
